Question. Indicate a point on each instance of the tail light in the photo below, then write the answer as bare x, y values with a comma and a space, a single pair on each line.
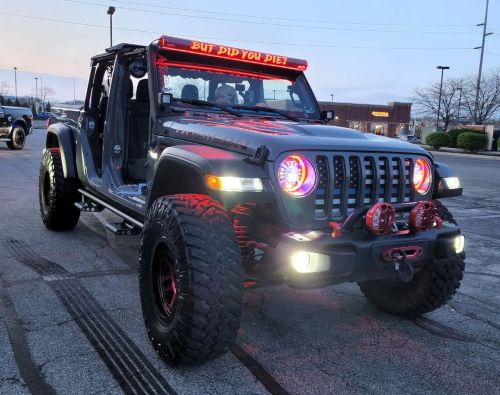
380, 219
424, 216
422, 176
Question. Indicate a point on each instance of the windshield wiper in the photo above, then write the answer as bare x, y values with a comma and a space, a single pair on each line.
206, 103
267, 109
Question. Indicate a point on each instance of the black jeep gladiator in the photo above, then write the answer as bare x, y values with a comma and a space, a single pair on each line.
221, 160
15, 124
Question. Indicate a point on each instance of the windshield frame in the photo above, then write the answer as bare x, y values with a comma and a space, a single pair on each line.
196, 62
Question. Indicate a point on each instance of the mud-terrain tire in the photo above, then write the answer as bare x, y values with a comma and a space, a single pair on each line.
57, 195
190, 279
431, 288
17, 138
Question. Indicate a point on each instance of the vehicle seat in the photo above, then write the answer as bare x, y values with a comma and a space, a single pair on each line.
190, 92
137, 133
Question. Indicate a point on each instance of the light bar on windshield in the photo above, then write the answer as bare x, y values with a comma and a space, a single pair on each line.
226, 52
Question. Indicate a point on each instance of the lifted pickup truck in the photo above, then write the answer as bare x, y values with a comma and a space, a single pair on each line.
221, 159
15, 124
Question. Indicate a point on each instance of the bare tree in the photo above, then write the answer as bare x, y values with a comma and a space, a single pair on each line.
47, 93
489, 97
4, 88
427, 100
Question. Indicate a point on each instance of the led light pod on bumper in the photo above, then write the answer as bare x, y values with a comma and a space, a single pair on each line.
380, 219
424, 216
296, 175
422, 176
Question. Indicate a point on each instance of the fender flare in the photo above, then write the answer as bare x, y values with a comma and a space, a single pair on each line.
61, 136
440, 191
21, 122
181, 169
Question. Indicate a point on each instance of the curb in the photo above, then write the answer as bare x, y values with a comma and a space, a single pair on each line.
483, 154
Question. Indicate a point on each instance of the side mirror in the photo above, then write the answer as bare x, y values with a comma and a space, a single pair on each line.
327, 115
164, 99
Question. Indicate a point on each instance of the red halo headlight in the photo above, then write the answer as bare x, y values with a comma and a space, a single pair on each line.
422, 176
296, 175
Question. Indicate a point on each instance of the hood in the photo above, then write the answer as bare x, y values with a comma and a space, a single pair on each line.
246, 134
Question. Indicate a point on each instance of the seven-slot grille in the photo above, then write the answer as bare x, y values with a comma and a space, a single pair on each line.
347, 182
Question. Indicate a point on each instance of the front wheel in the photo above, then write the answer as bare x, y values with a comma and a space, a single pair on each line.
57, 195
190, 278
17, 138
430, 288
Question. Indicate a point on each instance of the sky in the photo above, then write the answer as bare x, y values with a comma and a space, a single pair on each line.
360, 51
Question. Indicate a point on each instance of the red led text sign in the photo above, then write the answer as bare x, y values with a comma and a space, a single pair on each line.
227, 52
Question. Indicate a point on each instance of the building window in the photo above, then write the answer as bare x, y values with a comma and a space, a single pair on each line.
379, 128
359, 125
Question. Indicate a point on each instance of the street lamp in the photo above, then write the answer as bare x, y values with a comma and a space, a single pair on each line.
331, 95
442, 68
36, 87
15, 80
111, 11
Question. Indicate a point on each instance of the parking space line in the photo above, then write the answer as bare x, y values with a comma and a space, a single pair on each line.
128, 365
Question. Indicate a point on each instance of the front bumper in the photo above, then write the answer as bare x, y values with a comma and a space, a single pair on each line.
359, 257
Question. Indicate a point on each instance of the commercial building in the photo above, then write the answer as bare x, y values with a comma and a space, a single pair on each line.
389, 120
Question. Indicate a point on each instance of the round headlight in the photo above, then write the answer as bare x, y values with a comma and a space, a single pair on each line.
422, 176
296, 175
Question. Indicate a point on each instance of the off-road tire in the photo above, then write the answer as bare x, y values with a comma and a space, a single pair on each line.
57, 195
195, 236
17, 138
431, 288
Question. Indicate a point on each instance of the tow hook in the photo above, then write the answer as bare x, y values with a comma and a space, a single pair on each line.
402, 266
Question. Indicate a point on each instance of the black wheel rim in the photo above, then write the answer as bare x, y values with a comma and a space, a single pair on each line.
19, 138
45, 191
165, 281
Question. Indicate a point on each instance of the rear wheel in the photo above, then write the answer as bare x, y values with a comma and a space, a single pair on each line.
57, 195
191, 279
17, 138
430, 288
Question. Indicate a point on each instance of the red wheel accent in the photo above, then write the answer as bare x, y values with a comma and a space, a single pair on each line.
166, 292
424, 215
380, 218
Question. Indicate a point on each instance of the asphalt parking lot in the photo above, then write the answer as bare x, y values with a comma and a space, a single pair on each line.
71, 320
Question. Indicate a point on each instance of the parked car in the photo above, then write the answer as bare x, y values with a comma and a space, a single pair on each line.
186, 142
15, 124
44, 115
410, 138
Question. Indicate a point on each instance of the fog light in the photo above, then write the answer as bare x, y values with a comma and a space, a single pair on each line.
459, 244
300, 261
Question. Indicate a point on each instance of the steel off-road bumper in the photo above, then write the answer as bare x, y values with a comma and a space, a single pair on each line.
316, 259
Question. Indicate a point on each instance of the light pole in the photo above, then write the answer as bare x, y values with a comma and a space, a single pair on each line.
74, 92
331, 95
36, 87
41, 93
478, 85
15, 80
442, 68
111, 11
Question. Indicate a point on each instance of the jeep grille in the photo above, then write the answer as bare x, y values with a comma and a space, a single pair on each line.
347, 182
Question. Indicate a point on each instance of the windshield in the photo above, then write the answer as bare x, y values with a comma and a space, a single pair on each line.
247, 93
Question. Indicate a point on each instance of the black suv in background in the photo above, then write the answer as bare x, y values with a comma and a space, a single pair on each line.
15, 124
